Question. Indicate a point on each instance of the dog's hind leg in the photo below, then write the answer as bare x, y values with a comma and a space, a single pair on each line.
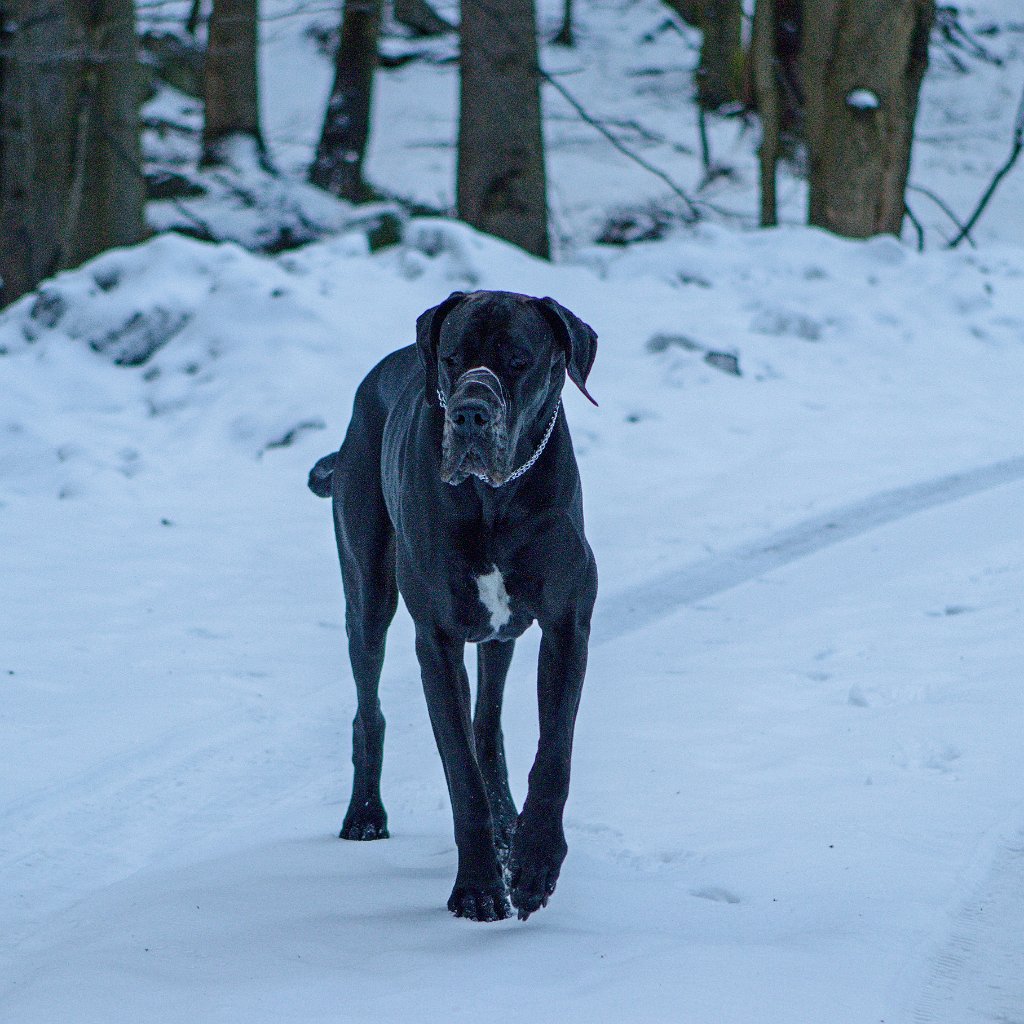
366, 547
493, 660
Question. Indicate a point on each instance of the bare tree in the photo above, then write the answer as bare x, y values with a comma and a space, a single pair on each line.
862, 63
338, 165
501, 184
231, 84
719, 74
70, 169
841, 77
763, 75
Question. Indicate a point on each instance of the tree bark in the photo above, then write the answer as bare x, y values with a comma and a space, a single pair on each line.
501, 184
338, 165
763, 68
719, 74
114, 190
862, 65
70, 166
231, 126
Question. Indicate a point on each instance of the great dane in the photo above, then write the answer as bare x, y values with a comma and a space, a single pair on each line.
457, 487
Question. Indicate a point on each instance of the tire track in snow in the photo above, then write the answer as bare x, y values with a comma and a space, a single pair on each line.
977, 974
639, 606
974, 973
64, 840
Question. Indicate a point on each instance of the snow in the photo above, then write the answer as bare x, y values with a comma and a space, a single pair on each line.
796, 788
863, 99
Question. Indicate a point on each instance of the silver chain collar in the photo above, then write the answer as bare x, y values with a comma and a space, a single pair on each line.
538, 451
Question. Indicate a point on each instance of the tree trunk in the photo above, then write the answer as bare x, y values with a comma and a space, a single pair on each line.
501, 185
764, 77
231, 127
114, 190
862, 66
338, 166
70, 166
719, 74
565, 35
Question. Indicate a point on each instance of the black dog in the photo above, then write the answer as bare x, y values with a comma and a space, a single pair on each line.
457, 485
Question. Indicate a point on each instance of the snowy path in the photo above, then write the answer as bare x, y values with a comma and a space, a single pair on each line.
627, 611
976, 973
192, 873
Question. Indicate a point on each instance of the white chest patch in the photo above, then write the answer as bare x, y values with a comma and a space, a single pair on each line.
494, 597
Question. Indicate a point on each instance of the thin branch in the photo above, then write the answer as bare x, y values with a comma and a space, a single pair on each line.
917, 226
1018, 145
944, 207
693, 214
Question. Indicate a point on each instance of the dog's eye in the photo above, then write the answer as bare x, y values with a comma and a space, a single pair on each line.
518, 361
450, 361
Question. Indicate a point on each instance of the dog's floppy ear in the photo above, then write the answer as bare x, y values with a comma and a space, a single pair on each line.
579, 340
428, 333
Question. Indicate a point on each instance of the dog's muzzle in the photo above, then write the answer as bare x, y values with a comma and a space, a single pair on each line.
475, 438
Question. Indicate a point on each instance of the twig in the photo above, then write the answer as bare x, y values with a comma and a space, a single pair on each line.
944, 207
693, 214
917, 226
705, 146
1018, 145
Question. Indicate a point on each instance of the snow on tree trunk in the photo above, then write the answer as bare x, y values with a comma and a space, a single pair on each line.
501, 184
862, 63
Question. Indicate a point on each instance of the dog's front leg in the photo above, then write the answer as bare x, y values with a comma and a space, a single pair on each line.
479, 892
538, 846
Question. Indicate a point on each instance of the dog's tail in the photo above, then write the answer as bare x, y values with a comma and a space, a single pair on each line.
320, 476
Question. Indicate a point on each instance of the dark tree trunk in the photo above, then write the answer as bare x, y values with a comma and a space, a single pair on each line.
565, 35
114, 191
862, 65
70, 168
338, 166
36, 109
764, 78
231, 128
501, 185
719, 75
421, 18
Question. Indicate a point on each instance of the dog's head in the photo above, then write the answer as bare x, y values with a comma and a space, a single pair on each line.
500, 360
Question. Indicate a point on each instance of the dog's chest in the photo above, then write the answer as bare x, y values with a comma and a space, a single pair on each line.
496, 613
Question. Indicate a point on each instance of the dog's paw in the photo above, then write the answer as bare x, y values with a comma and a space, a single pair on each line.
365, 822
534, 866
480, 902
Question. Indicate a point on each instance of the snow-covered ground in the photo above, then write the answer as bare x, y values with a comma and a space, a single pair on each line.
798, 773
798, 769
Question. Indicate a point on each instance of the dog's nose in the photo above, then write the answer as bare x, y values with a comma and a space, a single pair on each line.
471, 416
